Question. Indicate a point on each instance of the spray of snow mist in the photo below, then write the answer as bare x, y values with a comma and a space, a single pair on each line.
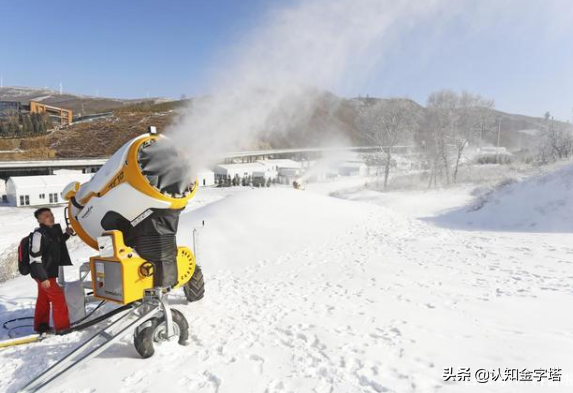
273, 80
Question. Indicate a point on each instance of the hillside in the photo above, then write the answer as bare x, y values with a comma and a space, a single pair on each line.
103, 137
79, 104
334, 119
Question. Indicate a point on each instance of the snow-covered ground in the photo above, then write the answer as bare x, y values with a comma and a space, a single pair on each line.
366, 292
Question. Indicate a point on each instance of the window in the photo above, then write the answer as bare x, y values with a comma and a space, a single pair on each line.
42, 196
24, 200
53, 197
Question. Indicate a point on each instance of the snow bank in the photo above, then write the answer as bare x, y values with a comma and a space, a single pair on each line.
542, 203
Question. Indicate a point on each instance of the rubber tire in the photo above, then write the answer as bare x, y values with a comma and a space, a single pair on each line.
194, 289
144, 342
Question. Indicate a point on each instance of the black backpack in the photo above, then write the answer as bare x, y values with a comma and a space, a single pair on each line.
24, 255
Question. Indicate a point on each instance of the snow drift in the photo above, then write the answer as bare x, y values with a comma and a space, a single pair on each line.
542, 203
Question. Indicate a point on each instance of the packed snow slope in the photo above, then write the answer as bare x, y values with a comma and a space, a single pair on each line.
263, 224
309, 293
542, 203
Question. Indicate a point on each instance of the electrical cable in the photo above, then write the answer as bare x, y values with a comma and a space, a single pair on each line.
73, 325
6, 323
89, 314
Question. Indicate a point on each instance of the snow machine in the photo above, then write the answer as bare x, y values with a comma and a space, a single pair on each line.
129, 213
298, 184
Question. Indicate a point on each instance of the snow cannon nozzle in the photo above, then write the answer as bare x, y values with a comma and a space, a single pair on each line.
166, 167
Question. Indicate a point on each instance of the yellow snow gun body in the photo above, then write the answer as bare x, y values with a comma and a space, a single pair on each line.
129, 212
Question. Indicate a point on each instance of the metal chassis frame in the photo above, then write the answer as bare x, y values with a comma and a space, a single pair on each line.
153, 304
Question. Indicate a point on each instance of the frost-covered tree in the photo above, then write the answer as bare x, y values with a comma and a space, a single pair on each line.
385, 124
475, 120
557, 143
440, 122
452, 122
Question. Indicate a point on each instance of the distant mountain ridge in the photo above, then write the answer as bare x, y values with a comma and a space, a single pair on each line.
78, 103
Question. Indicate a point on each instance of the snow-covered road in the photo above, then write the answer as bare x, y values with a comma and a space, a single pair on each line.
309, 293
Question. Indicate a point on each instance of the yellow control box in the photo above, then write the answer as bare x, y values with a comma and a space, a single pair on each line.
121, 276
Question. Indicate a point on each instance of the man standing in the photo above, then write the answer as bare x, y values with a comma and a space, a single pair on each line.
48, 252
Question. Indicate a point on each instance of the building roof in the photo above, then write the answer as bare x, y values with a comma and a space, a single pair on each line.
247, 166
291, 171
48, 180
82, 162
281, 163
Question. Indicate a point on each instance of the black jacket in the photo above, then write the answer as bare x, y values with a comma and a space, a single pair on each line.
48, 252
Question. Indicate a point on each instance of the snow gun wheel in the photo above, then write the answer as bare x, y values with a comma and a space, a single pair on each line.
195, 289
154, 331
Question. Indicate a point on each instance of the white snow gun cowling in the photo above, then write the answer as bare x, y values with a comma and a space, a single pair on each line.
129, 212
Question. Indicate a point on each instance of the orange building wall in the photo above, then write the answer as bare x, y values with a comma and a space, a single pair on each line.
66, 115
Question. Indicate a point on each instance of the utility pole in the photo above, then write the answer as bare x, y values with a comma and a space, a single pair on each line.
498, 131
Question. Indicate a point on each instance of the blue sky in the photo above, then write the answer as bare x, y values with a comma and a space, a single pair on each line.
520, 54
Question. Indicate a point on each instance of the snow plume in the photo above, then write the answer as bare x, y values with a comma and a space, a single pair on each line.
328, 163
275, 78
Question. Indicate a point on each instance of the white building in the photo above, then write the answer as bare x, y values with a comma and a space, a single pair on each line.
278, 164
40, 190
352, 169
288, 175
205, 177
253, 169
284, 170
3, 197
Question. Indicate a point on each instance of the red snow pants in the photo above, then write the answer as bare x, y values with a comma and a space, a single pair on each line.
54, 297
